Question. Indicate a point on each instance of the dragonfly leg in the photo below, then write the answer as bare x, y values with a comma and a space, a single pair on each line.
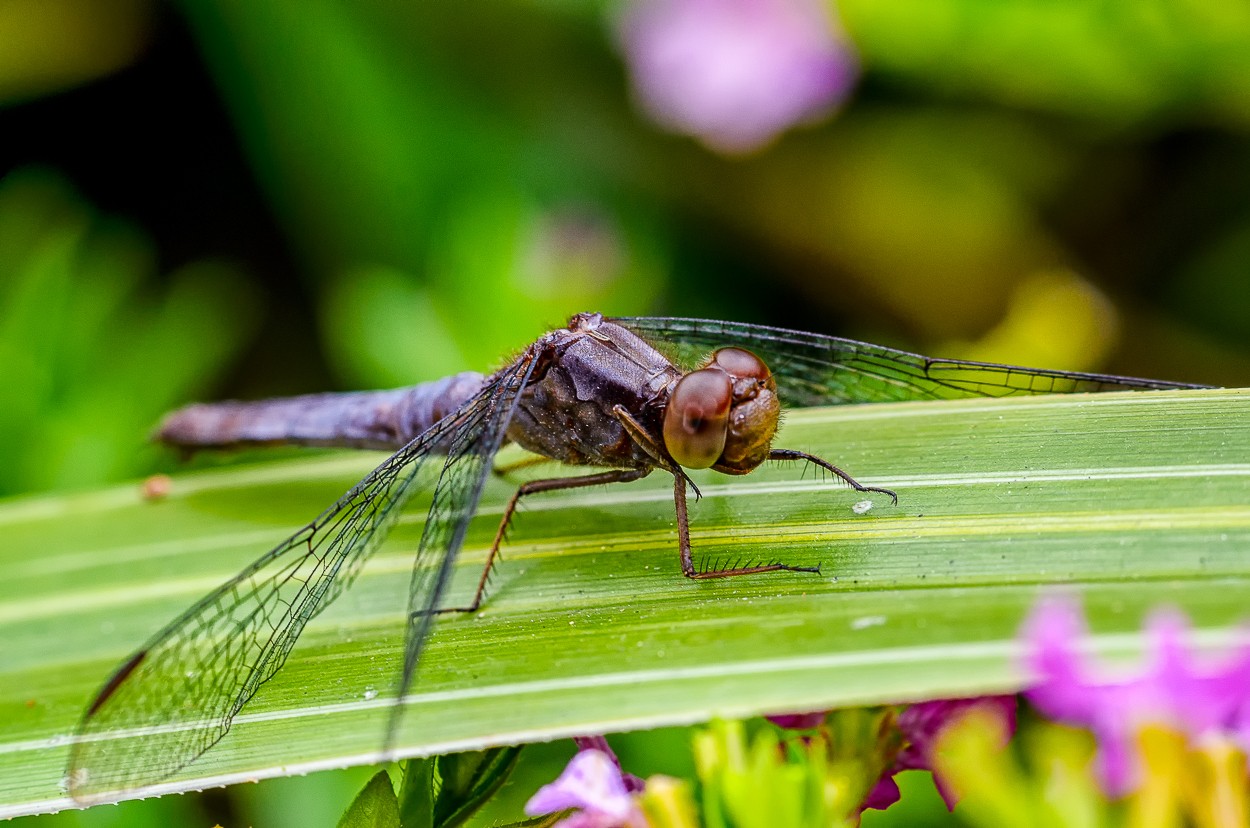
680, 482
532, 487
528, 462
687, 560
791, 454
640, 436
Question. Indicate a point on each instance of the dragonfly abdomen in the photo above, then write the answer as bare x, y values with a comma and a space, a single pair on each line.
365, 419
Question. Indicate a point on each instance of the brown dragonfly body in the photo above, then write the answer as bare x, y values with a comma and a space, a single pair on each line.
597, 395
625, 395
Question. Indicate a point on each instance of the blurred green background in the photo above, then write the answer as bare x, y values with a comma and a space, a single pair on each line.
214, 198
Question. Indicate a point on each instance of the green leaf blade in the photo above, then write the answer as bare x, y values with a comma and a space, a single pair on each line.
1131, 499
376, 806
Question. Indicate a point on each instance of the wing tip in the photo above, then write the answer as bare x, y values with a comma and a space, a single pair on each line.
110, 687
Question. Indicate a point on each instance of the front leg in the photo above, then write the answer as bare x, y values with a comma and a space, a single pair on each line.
680, 482
509, 469
791, 454
529, 488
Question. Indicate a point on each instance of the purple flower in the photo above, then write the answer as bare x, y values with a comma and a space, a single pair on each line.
735, 73
1173, 689
922, 725
592, 783
798, 721
633, 784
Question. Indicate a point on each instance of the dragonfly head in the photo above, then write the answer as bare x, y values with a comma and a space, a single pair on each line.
724, 414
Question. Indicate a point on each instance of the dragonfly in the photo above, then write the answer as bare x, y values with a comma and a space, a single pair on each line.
628, 395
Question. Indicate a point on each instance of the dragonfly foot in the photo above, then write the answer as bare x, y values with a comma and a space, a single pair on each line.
890, 492
722, 569
791, 454
442, 610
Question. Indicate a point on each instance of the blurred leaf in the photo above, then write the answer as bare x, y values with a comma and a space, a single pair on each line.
468, 779
1214, 285
1151, 60
383, 329
383, 132
1132, 499
375, 806
445, 791
91, 357
50, 45
442, 228
929, 214
505, 262
1042, 304
417, 793
669, 803
502, 270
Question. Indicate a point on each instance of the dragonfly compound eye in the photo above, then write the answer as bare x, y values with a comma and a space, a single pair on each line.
740, 363
697, 420
753, 413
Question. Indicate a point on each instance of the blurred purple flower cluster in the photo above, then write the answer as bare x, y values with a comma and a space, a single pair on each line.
1207, 702
594, 786
1199, 700
922, 725
736, 73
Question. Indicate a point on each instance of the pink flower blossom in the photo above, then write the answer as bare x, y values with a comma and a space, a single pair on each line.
1173, 689
735, 73
591, 783
633, 784
922, 725
798, 721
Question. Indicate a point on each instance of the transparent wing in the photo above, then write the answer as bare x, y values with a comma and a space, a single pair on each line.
475, 440
176, 697
813, 369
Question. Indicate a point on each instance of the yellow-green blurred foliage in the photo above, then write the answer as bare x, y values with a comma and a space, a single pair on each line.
1062, 183
1047, 183
92, 349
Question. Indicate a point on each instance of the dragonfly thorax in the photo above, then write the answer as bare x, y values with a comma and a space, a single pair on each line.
724, 414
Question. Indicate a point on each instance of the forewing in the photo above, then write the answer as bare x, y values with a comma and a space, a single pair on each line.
177, 696
479, 432
814, 369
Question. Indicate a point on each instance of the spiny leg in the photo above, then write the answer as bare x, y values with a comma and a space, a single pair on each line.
791, 454
687, 561
683, 533
531, 487
680, 482
640, 436
524, 463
